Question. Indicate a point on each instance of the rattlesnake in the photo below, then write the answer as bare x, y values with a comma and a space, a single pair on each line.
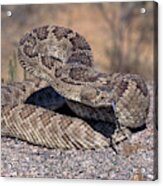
98, 102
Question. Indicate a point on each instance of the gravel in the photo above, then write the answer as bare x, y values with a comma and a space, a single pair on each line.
136, 158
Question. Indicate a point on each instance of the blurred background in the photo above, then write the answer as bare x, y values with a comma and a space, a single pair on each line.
120, 34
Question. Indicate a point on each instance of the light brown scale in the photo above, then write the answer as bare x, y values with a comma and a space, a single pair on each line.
64, 59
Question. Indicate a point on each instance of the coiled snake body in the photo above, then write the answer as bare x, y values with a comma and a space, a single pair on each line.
64, 60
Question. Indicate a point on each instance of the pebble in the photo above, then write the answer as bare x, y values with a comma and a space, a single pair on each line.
21, 159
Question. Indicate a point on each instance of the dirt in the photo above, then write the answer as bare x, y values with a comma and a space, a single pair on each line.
136, 158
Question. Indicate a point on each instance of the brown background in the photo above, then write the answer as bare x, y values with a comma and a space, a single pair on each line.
120, 36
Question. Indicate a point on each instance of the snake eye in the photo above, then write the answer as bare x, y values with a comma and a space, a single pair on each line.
102, 97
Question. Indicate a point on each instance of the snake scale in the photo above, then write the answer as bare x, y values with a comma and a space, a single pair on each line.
102, 108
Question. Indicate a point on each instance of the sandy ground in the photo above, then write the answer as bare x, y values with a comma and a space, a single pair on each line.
136, 159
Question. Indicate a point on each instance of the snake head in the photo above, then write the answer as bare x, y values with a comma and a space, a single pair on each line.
95, 97
88, 95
